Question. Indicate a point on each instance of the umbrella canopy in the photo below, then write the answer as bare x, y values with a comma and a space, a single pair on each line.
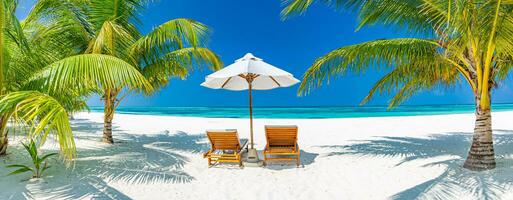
235, 76
249, 73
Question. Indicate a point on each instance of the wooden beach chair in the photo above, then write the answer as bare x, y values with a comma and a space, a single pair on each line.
226, 147
281, 142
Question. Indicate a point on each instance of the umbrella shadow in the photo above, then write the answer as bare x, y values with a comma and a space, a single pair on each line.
135, 159
490, 184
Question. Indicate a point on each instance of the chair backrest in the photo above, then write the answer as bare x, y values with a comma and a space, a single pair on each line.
224, 139
281, 135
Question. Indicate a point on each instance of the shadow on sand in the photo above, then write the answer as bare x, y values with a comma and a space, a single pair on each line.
307, 158
148, 159
482, 185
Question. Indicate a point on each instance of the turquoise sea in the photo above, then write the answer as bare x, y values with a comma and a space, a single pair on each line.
303, 112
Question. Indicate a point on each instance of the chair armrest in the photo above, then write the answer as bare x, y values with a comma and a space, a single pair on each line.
207, 153
244, 143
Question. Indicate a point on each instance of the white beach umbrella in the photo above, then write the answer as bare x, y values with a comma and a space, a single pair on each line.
249, 73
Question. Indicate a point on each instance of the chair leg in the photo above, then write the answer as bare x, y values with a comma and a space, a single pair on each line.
264, 162
239, 158
298, 159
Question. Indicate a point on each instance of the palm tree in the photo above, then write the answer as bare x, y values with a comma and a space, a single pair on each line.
169, 50
22, 56
466, 40
30, 52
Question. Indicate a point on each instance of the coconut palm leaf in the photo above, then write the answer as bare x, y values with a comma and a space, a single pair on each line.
296, 7
121, 11
402, 13
70, 12
47, 156
172, 35
179, 63
56, 36
112, 39
4, 55
31, 148
405, 81
93, 71
21, 169
379, 53
44, 115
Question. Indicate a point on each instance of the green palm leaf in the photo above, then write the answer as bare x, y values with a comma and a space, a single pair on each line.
170, 36
112, 39
31, 148
47, 156
93, 72
22, 169
390, 12
3, 52
122, 11
179, 63
62, 12
360, 57
44, 115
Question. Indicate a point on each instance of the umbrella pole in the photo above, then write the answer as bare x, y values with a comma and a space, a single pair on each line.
251, 113
252, 159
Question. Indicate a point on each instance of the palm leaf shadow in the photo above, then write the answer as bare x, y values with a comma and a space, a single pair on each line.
452, 146
135, 159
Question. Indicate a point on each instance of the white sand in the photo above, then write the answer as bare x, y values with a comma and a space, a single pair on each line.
358, 158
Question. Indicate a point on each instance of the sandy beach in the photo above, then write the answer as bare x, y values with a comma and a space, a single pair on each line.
160, 157
400, 100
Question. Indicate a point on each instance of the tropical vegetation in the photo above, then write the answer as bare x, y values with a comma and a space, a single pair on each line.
172, 49
25, 49
65, 51
39, 162
454, 41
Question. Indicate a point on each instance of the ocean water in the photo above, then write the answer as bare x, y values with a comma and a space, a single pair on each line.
304, 112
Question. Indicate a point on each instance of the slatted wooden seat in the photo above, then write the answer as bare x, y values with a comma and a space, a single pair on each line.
226, 147
282, 141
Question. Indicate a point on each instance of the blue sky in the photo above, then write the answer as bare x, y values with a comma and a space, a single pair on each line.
241, 26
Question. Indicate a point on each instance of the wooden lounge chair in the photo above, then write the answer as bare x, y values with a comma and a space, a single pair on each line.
281, 141
226, 147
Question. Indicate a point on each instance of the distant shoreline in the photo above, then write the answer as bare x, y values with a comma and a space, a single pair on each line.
310, 106
304, 112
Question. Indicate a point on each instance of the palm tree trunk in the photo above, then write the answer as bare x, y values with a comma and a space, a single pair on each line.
481, 155
109, 109
4, 140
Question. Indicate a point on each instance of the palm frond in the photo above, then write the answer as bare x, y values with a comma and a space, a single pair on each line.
295, 7
470, 39
170, 36
360, 57
21, 169
93, 72
44, 115
405, 81
62, 12
179, 63
112, 39
400, 13
3, 52
120, 11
